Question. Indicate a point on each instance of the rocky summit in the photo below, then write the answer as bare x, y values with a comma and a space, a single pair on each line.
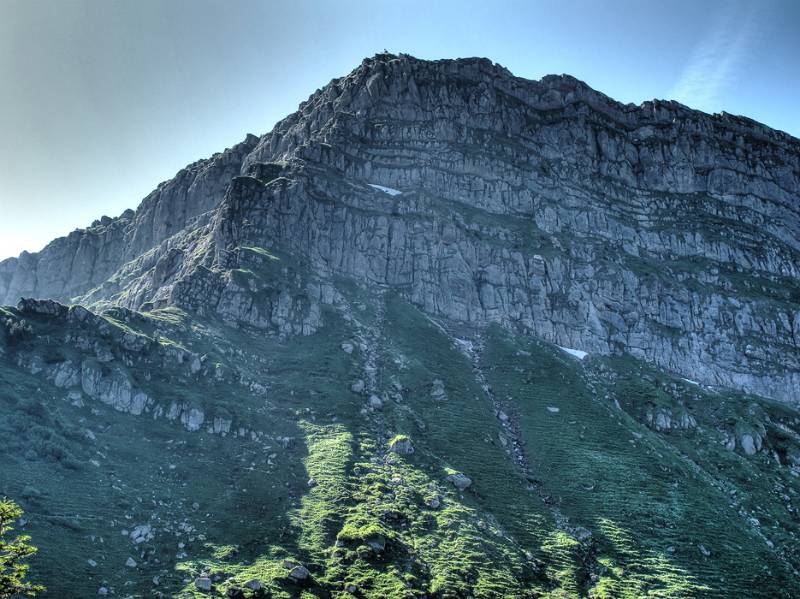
443, 332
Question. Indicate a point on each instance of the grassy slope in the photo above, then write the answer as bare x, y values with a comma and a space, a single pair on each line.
648, 498
364, 526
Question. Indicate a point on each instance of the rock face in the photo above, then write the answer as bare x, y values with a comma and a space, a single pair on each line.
545, 206
72, 265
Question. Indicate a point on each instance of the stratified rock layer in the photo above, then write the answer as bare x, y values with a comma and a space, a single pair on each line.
544, 205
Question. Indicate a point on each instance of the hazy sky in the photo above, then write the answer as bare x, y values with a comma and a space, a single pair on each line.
100, 100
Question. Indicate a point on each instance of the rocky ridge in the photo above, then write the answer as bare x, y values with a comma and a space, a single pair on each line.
71, 266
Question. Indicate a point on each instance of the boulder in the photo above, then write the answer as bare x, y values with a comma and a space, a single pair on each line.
459, 481
299, 573
748, 444
401, 444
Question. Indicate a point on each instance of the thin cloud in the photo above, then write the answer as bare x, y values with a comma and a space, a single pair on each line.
718, 58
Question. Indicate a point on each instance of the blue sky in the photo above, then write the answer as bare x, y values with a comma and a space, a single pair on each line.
100, 100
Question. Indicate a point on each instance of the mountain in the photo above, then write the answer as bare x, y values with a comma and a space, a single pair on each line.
443, 332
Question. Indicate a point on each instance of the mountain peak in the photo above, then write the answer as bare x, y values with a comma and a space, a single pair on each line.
443, 331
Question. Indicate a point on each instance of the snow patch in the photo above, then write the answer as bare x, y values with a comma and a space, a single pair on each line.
574, 352
553, 409
690, 381
389, 190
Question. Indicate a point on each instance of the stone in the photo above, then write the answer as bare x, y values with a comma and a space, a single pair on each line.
142, 533
299, 573
113, 388
437, 390
748, 444
195, 365
402, 445
459, 481
662, 421
130, 563
203, 583
192, 418
253, 584
375, 402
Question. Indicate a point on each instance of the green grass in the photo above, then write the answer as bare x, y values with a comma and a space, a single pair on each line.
319, 487
647, 505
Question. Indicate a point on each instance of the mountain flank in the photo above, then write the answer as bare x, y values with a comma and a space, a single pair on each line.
442, 332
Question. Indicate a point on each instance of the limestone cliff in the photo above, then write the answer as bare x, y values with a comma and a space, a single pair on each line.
653, 230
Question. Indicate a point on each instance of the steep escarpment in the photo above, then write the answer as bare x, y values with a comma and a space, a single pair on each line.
655, 230
651, 230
